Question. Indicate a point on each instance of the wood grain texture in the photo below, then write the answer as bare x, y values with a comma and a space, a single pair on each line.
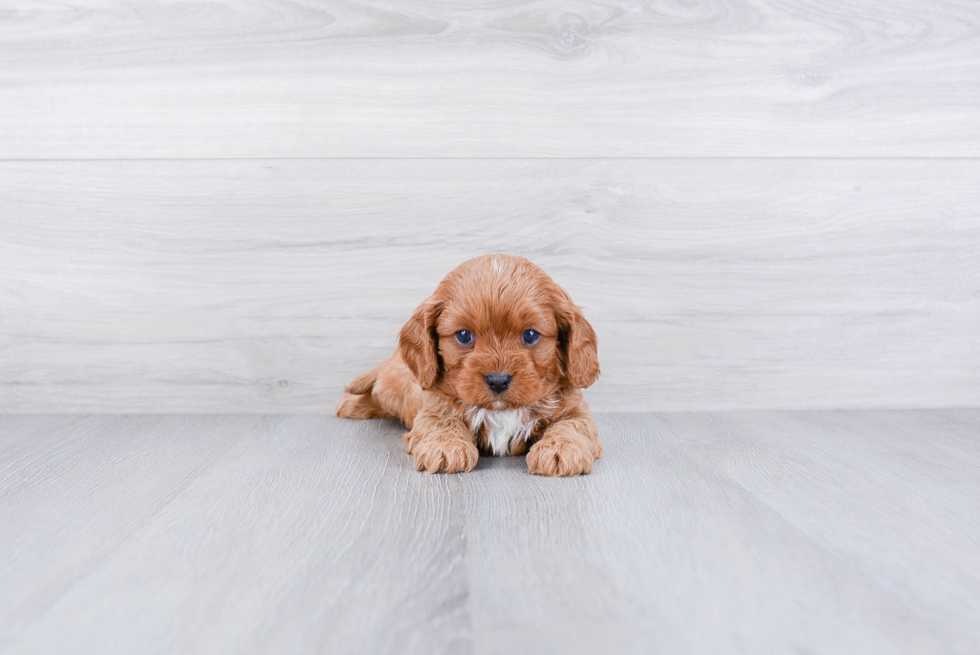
263, 286
818, 532
296, 538
372, 78
94, 488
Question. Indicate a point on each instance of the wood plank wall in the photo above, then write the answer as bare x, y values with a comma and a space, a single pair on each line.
228, 207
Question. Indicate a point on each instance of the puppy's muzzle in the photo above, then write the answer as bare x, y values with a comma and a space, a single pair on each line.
498, 382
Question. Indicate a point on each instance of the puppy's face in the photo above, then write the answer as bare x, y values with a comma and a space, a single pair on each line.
499, 347
498, 333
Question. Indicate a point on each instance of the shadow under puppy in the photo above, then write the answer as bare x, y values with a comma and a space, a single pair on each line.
494, 362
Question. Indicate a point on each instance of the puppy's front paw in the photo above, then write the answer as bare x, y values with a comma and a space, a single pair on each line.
559, 458
444, 455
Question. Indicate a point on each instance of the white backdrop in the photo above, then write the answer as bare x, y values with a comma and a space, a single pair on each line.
233, 207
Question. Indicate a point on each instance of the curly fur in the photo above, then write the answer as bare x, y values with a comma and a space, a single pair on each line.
437, 386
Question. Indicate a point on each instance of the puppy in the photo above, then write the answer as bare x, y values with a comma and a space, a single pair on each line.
494, 362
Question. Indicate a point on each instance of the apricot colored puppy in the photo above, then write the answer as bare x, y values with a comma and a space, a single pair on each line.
494, 361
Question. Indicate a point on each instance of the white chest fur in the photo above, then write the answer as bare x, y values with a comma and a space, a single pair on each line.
501, 427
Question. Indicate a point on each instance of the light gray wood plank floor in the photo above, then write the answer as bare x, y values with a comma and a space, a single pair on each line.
818, 532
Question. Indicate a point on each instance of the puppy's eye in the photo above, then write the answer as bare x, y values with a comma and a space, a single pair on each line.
464, 337
530, 337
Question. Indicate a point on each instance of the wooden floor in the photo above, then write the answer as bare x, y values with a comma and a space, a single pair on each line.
815, 532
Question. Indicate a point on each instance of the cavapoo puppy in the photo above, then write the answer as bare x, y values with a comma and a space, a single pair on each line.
493, 361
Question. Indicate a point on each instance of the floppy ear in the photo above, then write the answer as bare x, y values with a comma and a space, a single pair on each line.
418, 343
579, 345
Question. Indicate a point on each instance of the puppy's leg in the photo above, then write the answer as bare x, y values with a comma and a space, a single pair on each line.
442, 444
354, 405
364, 382
568, 447
359, 402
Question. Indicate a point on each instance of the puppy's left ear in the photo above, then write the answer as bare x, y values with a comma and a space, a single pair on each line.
579, 345
418, 343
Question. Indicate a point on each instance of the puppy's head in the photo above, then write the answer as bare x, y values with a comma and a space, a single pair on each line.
499, 333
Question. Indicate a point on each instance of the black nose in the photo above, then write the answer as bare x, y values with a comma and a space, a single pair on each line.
498, 382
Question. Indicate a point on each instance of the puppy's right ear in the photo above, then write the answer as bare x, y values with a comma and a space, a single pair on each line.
418, 343
578, 344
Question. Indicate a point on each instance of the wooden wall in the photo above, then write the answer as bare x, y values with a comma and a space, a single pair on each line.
232, 207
